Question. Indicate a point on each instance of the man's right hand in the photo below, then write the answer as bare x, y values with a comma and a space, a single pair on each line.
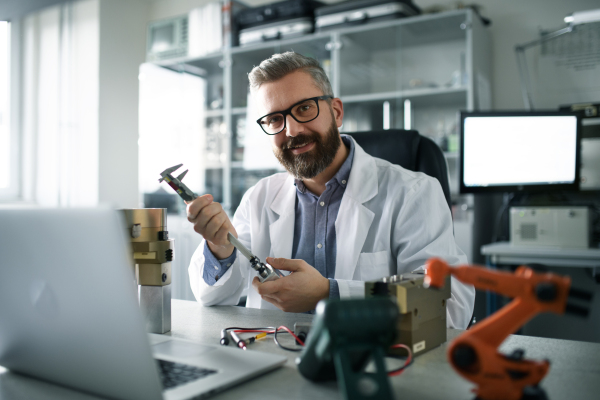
211, 221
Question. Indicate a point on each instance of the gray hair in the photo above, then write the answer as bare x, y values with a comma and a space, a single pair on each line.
279, 65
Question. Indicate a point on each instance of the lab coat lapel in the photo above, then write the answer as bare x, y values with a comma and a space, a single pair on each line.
354, 219
281, 231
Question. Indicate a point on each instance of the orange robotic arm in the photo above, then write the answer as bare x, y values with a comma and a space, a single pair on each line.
474, 354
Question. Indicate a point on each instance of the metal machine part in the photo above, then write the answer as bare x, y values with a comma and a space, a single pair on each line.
152, 252
265, 271
301, 329
423, 323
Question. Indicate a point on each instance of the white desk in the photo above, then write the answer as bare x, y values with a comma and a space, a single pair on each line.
574, 372
504, 253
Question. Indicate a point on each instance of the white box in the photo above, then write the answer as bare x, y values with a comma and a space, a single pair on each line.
550, 226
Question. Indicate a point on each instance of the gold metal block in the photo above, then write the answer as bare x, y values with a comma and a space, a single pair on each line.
422, 324
153, 274
156, 252
145, 224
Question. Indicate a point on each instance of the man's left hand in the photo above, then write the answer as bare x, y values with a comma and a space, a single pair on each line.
298, 292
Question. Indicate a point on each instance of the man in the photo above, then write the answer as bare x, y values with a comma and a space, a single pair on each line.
339, 217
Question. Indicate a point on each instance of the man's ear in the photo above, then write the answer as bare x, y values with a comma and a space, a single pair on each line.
338, 111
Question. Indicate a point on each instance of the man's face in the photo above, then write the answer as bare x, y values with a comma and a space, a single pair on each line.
304, 149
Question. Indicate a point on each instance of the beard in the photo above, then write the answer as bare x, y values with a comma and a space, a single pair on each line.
311, 163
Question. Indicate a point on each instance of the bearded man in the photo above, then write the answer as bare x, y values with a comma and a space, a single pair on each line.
336, 219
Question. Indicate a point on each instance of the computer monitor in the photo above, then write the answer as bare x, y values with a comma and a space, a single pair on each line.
519, 151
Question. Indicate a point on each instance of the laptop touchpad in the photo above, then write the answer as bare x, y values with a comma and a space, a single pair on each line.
176, 348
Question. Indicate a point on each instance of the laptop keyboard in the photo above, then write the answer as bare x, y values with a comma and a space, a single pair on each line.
175, 374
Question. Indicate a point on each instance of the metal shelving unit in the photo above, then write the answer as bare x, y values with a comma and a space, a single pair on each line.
437, 61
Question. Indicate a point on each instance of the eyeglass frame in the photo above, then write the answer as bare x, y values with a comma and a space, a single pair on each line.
288, 111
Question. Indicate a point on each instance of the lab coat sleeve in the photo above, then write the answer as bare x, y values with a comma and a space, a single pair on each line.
424, 230
228, 289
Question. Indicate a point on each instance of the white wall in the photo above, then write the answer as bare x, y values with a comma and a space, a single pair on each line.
122, 50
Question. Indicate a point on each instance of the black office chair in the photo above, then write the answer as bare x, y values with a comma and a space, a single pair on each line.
409, 150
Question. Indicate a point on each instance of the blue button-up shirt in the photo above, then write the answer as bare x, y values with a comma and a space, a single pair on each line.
314, 229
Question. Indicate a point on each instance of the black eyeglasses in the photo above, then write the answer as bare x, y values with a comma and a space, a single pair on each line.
303, 111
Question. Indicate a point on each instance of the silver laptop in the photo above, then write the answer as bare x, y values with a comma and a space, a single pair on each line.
69, 314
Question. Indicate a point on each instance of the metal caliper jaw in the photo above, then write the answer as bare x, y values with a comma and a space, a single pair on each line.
265, 271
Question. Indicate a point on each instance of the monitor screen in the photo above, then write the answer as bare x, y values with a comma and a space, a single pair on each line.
519, 151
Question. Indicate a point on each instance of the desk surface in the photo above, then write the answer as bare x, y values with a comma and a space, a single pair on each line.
574, 374
506, 253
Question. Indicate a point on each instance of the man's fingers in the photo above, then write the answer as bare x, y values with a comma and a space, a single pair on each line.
195, 206
285, 263
207, 213
215, 223
266, 288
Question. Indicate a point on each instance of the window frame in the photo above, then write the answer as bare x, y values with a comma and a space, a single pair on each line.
13, 193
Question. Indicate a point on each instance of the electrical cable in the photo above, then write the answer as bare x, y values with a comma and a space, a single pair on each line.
268, 330
291, 333
407, 363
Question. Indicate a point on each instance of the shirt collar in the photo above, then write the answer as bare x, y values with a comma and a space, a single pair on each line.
343, 173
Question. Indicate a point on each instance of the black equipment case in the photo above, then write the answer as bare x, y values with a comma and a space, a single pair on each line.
277, 30
276, 12
362, 11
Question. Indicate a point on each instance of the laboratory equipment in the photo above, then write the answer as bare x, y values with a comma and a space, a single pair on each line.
152, 256
519, 151
422, 325
345, 336
349, 13
474, 354
567, 227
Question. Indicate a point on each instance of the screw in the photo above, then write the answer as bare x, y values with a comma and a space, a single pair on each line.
164, 277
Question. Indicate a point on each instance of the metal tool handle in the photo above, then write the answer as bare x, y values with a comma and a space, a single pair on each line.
238, 245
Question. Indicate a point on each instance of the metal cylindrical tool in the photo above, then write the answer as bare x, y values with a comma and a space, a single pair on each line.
152, 256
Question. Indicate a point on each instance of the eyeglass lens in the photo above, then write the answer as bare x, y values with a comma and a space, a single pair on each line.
303, 112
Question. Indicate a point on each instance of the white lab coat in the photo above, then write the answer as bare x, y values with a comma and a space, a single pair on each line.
391, 221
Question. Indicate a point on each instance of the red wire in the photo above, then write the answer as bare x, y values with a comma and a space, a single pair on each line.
291, 333
408, 359
251, 330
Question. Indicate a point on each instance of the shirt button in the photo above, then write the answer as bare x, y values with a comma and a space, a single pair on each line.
343, 182
229, 264
322, 203
216, 267
319, 245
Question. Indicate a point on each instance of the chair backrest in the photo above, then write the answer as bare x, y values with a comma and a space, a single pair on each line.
409, 150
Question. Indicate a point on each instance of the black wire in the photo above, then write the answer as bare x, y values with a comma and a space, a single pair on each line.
282, 346
274, 333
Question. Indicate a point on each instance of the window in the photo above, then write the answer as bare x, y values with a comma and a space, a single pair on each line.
7, 179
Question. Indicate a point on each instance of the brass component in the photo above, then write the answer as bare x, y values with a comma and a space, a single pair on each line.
153, 274
151, 220
147, 217
422, 324
151, 255
163, 251
152, 251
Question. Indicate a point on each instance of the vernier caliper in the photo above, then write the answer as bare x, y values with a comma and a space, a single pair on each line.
265, 271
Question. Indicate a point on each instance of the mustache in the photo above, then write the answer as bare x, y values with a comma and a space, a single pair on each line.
298, 141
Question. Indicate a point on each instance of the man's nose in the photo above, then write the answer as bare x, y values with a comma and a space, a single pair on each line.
292, 127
